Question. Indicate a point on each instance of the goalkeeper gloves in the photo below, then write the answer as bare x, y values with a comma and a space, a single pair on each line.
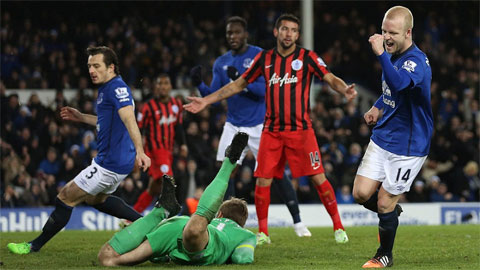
232, 73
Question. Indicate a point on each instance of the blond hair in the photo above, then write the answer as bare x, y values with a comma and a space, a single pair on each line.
236, 210
471, 168
398, 11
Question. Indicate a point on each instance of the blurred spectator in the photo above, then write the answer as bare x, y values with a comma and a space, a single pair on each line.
440, 193
10, 198
245, 184
344, 195
192, 202
128, 191
465, 183
351, 163
37, 195
50, 165
417, 193
68, 170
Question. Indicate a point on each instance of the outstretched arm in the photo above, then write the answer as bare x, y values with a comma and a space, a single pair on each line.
257, 87
109, 257
197, 104
128, 118
340, 86
72, 114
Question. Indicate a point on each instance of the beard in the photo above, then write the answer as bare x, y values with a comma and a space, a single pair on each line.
286, 47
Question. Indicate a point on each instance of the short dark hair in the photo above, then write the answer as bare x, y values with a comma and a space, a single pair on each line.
161, 76
287, 17
237, 19
236, 210
109, 56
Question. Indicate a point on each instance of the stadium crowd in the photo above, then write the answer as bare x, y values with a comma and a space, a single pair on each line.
40, 50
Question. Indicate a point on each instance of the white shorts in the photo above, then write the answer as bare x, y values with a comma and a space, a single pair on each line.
229, 131
95, 179
394, 171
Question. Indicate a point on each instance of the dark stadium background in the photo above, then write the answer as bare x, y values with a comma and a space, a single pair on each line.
43, 45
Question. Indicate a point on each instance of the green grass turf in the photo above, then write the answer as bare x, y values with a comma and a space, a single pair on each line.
416, 247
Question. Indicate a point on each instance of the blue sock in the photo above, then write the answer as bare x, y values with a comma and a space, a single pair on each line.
287, 193
57, 220
117, 207
387, 228
371, 204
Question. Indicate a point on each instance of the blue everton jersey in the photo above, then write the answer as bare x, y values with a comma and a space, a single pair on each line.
407, 123
116, 151
247, 108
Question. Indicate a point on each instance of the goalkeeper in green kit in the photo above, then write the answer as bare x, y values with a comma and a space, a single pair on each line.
214, 234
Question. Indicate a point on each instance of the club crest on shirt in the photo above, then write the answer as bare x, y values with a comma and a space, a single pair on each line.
320, 62
100, 98
247, 62
175, 109
409, 66
297, 64
121, 92
164, 168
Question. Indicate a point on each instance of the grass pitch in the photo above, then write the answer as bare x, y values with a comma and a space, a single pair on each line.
416, 247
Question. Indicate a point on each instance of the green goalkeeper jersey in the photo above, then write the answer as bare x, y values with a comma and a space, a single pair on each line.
228, 242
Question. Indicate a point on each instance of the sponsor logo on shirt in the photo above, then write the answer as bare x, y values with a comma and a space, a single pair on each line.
389, 102
169, 120
409, 66
387, 93
285, 80
121, 93
385, 89
297, 64
247, 62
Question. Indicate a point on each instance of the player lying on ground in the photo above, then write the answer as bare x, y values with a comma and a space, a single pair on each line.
205, 238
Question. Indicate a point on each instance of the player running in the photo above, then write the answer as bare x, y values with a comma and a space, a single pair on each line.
119, 147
